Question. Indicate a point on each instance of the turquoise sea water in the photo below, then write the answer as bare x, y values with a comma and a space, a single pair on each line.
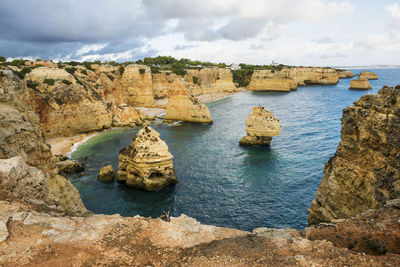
222, 183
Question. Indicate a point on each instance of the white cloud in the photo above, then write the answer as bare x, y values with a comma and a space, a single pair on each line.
88, 48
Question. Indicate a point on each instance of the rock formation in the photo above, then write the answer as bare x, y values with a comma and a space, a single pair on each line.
266, 80
360, 84
182, 105
368, 75
27, 166
69, 166
261, 126
365, 170
345, 74
106, 174
146, 163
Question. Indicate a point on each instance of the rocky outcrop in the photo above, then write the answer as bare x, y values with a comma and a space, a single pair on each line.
266, 80
313, 75
44, 238
184, 106
261, 126
365, 170
374, 232
106, 174
27, 165
368, 75
69, 166
360, 84
146, 163
345, 74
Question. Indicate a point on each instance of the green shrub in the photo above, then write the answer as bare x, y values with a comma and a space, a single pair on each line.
110, 77
98, 62
84, 72
79, 82
196, 80
155, 70
3, 59
113, 63
74, 63
21, 74
67, 82
31, 84
49, 81
242, 76
121, 70
60, 65
181, 72
71, 70
142, 71
17, 62
88, 65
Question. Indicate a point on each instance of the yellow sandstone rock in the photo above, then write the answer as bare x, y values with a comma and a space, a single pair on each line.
182, 105
106, 174
261, 126
146, 163
137, 85
360, 84
265, 80
368, 75
345, 74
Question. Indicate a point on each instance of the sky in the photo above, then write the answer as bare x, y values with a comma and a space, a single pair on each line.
293, 32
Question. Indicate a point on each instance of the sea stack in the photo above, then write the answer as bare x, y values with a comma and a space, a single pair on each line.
146, 163
368, 75
261, 126
360, 84
184, 106
345, 74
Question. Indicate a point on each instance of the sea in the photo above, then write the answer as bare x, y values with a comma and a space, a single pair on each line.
222, 183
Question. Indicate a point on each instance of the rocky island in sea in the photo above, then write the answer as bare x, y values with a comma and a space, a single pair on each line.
261, 126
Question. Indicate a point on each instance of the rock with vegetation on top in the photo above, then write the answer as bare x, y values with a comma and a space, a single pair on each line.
345, 74
146, 163
360, 84
261, 126
368, 75
184, 106
364, 173
106, 174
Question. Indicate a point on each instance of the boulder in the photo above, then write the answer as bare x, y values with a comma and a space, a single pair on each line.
107, 174
146, 163
261, 126
345, 74
69, 166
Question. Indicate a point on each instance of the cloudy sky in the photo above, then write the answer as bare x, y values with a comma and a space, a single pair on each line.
297, 32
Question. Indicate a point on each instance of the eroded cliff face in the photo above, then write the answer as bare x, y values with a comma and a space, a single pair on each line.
365, 170
266, 80
184, 106
345, 74
27, 169
368, 75
64, 99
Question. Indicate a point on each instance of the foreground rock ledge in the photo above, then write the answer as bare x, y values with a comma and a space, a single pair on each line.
146, 163
261, 126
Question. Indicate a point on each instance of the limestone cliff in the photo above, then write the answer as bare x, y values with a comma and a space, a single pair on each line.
360, 84
261, 126
27, 169
266, 80
146, 163
288, 79
368, 75
345, 74
365, 170
182, 105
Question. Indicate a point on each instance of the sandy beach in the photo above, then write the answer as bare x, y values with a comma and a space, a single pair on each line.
62, 145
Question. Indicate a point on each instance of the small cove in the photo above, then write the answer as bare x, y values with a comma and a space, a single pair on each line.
222, 183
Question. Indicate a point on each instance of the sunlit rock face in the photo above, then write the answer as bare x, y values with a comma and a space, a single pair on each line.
146, 163
184, 106
266, 80
345, 74
368, 75
364, 173
261, 126
360, 84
